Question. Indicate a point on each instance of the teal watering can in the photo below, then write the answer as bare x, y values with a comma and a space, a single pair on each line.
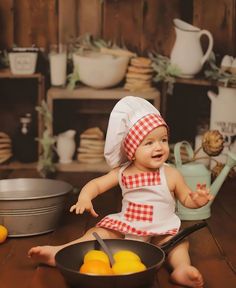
195, 174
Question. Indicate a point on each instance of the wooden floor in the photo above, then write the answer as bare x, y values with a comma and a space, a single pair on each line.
212, 249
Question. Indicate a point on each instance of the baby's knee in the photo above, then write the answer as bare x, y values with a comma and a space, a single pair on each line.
103, 233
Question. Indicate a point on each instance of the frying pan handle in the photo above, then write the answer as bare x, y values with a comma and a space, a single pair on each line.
181, 235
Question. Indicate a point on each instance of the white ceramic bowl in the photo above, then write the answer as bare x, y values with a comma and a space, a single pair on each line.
100, 70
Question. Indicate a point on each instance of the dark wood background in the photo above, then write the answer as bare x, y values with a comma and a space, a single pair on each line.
142, 25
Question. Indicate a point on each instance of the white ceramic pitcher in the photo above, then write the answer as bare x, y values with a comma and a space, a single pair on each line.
187, 52
66, 146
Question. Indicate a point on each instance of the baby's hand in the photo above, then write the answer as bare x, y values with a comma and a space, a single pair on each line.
83, 205
201, 197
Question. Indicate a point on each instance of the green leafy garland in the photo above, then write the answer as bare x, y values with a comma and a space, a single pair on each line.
4, 60
213, 72
46, 166
165, 71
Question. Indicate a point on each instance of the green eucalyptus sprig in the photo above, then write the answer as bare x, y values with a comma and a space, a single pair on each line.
87, 43
4, 59
46, 115
73, 78
164, 70
46, 166
213, 72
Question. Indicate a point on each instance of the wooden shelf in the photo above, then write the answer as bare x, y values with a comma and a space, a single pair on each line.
82, 93
201, 82
83, 167
75, 166
6, 73
195, 81
15, 165
87, 93
185, 81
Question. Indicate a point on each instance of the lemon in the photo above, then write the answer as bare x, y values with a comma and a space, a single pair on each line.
96, 267
96, 255
128, 267
3, 233
125, 255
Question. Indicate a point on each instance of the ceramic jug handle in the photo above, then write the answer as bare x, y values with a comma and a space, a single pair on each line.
210, 45
212, 96
177, 154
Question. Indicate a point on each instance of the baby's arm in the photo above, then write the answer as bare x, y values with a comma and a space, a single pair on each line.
183, 193
92, 189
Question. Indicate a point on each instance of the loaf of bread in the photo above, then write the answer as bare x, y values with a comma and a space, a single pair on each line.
92, 133
5, 147
141, 62
139, 75
91, 148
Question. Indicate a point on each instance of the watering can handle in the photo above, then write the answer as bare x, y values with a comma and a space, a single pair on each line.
177, 154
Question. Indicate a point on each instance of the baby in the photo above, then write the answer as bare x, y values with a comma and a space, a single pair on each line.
137, 148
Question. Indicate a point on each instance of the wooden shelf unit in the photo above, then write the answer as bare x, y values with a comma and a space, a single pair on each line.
76, 166
158, 99
83, 93
185, 81
6, 74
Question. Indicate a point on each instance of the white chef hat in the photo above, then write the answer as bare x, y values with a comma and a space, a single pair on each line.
131, 119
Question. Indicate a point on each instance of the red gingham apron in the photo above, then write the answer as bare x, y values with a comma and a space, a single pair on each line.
148, 208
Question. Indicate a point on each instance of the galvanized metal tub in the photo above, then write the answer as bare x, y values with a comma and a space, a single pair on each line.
31, 206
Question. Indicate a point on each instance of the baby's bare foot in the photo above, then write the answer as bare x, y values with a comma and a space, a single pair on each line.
188, 276
44, 254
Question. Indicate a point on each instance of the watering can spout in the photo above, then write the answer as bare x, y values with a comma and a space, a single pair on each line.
231, 162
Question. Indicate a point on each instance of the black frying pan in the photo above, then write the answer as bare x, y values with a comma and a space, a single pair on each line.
70, 258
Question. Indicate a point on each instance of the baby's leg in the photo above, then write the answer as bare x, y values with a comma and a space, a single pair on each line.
183, 272
46, 254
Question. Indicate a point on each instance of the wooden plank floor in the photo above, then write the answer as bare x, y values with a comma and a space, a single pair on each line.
212, 249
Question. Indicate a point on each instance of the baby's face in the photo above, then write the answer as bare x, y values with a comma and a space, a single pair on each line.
153, 150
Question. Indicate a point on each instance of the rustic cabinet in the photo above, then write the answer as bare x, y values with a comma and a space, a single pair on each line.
84, 108
20, 94
142, 26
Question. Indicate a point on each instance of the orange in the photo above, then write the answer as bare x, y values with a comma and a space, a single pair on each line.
128, 267
96, 267
3, 233
125, 255
96, 255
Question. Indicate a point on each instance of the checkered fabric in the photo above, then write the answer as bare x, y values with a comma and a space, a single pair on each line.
128, 229
138, 132
139, 212
121, 227
142, 179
